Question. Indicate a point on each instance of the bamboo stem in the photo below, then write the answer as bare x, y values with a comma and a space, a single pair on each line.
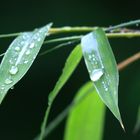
128, 61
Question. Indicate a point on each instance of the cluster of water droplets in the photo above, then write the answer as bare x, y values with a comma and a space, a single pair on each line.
96, 70
22, 51
20, 55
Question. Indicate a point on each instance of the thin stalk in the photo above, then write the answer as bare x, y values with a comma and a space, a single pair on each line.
128, 61
109, 35
69, 38
57, 47
126, 24
69, 29
10, 35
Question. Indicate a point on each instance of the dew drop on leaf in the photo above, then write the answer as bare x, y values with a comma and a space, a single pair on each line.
28, 52
8, 81
96, 74
13, 70
39, 39
17, 49
25, 62
32, 45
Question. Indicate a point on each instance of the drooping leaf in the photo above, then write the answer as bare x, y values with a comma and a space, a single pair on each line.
137, 125
86, 119
70, 65
19, 57
102, 68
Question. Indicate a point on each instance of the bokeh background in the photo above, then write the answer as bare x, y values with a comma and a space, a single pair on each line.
22, 111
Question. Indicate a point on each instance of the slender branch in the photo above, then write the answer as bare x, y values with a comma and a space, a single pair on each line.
126, 24
10, 35
109, 35
57, 47
128, 61
69, 29
69, 38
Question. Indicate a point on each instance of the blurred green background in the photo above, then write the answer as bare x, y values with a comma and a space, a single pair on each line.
23, 108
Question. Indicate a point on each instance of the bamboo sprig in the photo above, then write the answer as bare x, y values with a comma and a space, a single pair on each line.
122, 65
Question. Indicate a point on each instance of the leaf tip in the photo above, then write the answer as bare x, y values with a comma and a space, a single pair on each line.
50, 24
121, 123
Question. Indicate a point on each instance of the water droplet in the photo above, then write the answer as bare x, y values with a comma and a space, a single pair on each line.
2, 88
39, 39
32, 45
105, 86
28, 52
25, 62
8, 81
137, 25
106, 89
13, 70
17, 48
22, 42
11, 61
12, 87
96, 74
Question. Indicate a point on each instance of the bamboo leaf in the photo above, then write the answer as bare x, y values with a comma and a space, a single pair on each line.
70, 65
102, 68
86, 119
137, 125
19, 57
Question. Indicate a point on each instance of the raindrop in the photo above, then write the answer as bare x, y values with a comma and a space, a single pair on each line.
39, 39
32, 45
104, 85
96, 74
106, 89
28, 52
137, 25
13, 70
22, 42
90, 56
8, 81
2, 88
10, 61
12, 87
17, 48
25, 62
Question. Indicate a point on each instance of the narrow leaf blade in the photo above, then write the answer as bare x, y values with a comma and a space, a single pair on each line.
102, 68
70, 65
19, 57
86, 119
137, 125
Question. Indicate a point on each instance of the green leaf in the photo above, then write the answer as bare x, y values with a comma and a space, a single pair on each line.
137, 125
70, 65
19, 57
86, 119
102, 68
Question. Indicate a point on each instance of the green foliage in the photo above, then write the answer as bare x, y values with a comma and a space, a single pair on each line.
86, 120
87, 112
102, 68
70, 65
19, 58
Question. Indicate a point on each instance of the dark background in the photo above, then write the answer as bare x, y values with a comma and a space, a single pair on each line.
23, 108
